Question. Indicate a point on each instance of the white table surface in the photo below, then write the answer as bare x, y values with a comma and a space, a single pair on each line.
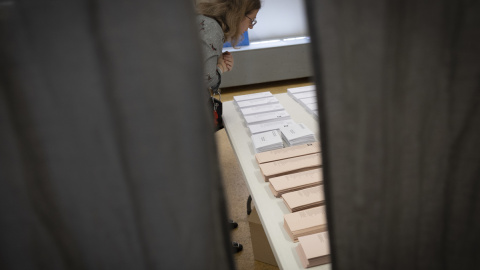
270, 209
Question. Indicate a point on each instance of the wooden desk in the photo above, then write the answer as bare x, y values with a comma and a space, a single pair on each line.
270, 209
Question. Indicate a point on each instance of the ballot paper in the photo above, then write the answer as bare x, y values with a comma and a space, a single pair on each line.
262, 109
305, 222
304, 95
267, 141
290, 165
295, 181
289, 152
314, 249
308, 100
304, 198
252, 96
296, 134
311, 107
296, 90
266, 117
262, 127
256, 102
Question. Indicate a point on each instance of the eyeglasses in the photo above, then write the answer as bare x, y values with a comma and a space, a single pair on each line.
252, 22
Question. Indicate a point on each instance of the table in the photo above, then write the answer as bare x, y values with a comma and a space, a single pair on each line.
270, 209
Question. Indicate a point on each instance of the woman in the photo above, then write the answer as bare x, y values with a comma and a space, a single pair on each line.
220, 21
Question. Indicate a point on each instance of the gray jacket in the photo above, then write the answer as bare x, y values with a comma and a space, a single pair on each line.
212, 39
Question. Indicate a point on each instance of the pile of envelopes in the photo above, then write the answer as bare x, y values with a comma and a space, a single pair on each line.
294, 173
314, 249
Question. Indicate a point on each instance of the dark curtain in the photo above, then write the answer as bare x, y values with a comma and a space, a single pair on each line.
399, 92
107, 154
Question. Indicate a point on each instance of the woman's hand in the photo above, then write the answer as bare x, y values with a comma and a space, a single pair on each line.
221, 64
228, 59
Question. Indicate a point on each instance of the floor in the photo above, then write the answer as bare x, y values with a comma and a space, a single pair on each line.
234, 183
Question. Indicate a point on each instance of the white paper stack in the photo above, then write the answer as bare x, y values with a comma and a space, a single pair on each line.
266, 117
296, 90
310, 104
262, 109
302, 95
262, 127
266, 141
307, 97
256, 102
252, 96
311, 107
296, 134
308, 100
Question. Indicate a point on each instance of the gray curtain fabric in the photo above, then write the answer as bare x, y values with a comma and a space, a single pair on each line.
107, 154
399, 88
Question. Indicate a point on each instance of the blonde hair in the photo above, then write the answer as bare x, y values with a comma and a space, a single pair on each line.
229, 14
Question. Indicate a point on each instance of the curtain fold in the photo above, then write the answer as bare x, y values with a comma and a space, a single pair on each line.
399, 95
107, 152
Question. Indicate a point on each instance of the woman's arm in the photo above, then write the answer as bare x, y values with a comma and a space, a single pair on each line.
211, 36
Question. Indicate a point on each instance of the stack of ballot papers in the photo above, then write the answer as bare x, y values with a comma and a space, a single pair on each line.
290, 165
296, 134
302, 95
256, 102
295, 181
309, 100
310, 104
289, 152
262, 127
267, 141
262, 109
305, 96
314, 249
296, 90
304, 198
305, 222
261, 118
312, 107
241, 98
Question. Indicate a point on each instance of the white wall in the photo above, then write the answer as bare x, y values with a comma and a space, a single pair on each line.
280, 19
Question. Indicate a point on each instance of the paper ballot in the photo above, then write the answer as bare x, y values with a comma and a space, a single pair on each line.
314, 249
262, 127
262, 109
296, 134
266, 117
295, 181
296, 90
257, 102
304, 198
290, 165
252, 96
290, 152
308, 100
311, 107
304, 95
267, 141
305, 222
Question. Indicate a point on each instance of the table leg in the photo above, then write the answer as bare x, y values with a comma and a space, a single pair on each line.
249, 205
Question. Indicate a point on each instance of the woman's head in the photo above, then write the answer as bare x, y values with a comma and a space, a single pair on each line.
234, 16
